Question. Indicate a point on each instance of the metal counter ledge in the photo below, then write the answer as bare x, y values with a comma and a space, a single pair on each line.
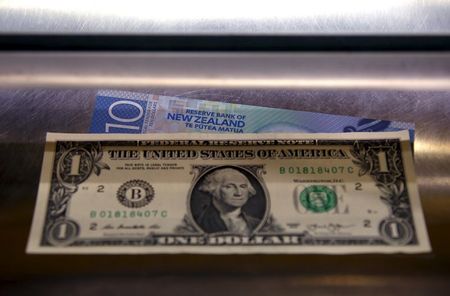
42, 92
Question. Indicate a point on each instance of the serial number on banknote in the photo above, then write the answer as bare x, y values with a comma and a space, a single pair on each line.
265, 193
305, 170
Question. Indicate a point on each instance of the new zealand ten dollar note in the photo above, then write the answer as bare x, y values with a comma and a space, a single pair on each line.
129, 112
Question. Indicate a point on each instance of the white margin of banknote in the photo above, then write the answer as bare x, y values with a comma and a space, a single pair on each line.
44, 189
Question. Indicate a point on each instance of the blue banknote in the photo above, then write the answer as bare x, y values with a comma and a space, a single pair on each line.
130, 112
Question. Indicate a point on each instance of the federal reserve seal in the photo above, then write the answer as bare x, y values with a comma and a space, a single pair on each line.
135, 194
318, 198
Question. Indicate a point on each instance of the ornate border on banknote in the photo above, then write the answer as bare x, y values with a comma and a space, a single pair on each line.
381, 159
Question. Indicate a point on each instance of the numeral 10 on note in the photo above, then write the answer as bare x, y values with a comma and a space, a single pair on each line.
119, 115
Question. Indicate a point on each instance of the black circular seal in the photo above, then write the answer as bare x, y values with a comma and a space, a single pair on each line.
135, 193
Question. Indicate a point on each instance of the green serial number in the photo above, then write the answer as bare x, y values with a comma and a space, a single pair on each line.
129, 214
304, 170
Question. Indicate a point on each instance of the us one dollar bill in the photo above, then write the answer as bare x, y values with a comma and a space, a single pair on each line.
228, 193
130, 112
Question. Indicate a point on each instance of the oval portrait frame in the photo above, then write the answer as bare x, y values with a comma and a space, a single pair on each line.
253, 174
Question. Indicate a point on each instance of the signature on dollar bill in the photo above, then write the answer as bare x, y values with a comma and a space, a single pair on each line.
210, 193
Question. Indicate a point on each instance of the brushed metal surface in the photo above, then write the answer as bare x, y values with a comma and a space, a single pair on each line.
234, 285
27, 114
226, 17
28, 109
395, 71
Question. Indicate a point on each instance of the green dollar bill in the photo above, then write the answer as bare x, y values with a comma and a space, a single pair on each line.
228, 193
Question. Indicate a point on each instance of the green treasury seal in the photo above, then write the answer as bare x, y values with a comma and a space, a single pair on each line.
318, 198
